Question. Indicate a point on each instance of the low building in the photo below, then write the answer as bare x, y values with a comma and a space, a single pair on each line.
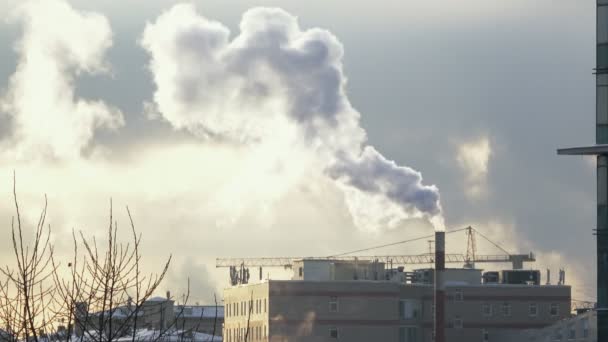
207, 319
580, 328
5, 336
157, 315
325, 309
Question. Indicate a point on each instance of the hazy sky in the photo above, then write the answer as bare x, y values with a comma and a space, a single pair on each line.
476, 95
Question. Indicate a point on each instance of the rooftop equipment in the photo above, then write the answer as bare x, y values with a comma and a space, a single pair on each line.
521, 277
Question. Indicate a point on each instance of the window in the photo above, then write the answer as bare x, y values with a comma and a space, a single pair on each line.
557, 335
412, 334
301, 271
408, 334
485, 336
457, 322
571, 332
585, 327
506, 309
333, 332
533, 310
486, 310
602, 19
333, 304
264, 305
408, 309
458, 296
554, 310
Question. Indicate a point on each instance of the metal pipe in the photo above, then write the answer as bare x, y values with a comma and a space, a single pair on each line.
439, 321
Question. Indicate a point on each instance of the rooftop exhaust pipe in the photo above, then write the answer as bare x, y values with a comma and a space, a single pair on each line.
439, 287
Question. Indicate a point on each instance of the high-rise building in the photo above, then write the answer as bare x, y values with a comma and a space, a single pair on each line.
600, 149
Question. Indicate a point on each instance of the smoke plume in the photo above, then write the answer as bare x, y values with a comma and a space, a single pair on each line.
58, 43
271, 78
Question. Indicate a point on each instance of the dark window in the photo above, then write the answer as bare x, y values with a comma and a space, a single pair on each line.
554, 310
333, 304
333, 332
533, 310
585, 327
571, 332
408, 334
458, 323
486, 310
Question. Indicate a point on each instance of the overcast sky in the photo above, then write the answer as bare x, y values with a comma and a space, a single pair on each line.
476, 95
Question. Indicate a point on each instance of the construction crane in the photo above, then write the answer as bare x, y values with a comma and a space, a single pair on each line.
287, 262
239, 266
471, 249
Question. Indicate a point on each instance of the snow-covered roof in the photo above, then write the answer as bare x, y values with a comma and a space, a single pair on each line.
199, 311
144, 335
157, 299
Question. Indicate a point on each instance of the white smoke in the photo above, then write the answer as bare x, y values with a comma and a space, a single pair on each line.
272, 78
58, 44
473, 158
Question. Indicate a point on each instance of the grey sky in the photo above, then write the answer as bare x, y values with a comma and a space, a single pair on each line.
426, 78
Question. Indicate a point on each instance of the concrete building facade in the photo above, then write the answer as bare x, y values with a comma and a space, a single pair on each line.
579, 328
370, 310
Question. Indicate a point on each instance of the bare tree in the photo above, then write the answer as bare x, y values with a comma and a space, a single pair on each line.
27, 288
105, 293
100, 295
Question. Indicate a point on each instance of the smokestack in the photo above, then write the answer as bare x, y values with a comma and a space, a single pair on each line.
439, 287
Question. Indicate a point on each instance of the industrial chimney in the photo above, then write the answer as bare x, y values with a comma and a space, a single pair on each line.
439, 287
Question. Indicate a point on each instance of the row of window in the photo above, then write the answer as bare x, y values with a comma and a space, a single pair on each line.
244, 308
243, 334
505, 309
410, 309
406, 334
558, 334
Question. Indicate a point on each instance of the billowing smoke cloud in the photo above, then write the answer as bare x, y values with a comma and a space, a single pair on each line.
272, 78
58, 43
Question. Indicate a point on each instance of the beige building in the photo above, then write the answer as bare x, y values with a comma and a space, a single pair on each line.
331, 308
